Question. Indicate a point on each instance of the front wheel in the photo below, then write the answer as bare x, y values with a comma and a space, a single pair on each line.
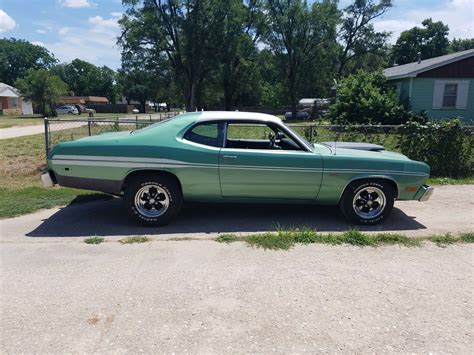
367, 202
153, 200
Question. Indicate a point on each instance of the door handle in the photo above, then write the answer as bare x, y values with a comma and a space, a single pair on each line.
225, 157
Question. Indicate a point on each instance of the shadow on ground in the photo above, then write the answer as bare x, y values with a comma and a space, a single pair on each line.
109, 218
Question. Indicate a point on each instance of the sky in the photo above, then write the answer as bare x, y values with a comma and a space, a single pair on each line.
87, 29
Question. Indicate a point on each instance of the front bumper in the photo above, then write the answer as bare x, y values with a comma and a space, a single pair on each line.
424, 193
48, 179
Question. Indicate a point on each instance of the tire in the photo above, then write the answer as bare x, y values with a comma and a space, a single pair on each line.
367, 202
69, 113
153, 200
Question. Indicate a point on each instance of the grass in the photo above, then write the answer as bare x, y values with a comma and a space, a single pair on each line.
134, 240
94, 240
451, 181
15, 121
286, 239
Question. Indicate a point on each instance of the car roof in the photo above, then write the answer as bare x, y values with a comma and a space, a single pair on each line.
236, 115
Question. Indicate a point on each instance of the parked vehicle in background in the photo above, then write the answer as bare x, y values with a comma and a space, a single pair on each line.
300, 115
84, 109
235, 157
67, 110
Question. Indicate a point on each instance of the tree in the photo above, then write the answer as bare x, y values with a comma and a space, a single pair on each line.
42, 87
430, 41
85, 79
365, 98
357, 34
236, 51
294, 33
17, 56
181, 31
458, 45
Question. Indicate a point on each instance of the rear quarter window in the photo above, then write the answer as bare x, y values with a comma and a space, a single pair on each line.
206, 133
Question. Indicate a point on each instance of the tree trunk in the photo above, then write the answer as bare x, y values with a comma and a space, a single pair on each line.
190, 96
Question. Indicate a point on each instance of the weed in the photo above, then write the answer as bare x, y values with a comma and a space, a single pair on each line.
94, 240
227, 238
134, 239
467, 237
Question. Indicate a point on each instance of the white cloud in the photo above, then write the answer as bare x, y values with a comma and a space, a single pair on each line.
6, 22
76, 3
41, 31
116, 14
101, 22
63, 30
95, 42
457, 14
38, 43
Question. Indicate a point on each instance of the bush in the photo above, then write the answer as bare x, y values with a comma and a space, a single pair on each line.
446, 146
365, 98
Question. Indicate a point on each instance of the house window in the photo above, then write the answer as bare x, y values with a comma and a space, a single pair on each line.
450, 95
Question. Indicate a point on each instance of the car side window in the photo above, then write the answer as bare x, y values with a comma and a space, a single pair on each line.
244, 135
206, 133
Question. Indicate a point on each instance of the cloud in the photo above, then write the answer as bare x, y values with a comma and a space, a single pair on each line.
6, 22
457, 14
95, 42
63, 30
103, 25
76, 3
116, 14
41, 31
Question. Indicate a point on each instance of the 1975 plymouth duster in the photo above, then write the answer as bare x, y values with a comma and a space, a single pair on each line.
208, 156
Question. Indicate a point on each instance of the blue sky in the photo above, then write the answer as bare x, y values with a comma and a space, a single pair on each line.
87, 29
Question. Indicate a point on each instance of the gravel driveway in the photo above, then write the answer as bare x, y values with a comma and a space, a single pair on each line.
206, 297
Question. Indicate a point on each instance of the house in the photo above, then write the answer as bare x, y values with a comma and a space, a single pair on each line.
83, 100
11, 102
441, 86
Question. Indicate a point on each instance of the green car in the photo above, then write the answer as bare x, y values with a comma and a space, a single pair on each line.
235, 157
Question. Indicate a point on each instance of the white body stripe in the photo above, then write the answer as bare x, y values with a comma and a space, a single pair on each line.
134, 162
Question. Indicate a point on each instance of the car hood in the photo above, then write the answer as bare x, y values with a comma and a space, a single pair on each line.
355, 145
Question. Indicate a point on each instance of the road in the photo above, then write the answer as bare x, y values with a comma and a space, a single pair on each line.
175, 295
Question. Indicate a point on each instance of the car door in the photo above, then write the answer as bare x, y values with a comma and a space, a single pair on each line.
250, 168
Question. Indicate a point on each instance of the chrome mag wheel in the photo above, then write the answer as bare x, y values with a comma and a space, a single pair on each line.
152, 201
369, 202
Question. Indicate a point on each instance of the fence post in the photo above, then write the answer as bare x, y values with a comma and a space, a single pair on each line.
136, 121
46, 136
150, 118
89, 126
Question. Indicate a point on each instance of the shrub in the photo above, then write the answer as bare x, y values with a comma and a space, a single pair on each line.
445, 146
365, 98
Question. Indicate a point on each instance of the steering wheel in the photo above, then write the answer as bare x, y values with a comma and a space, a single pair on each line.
272, 138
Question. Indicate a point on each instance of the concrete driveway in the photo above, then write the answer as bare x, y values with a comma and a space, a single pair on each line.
450, 210
60, 295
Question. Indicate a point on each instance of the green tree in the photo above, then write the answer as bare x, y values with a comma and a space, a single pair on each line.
181, 31
42, 87
430, 41
86, 79
17, 56
236, 51
295, 31
357, 34
365, 98
458, 45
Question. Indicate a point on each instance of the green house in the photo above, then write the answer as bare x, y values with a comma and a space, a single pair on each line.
441, 86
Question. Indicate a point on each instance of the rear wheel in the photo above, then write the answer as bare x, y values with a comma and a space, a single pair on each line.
153, 200
367, 202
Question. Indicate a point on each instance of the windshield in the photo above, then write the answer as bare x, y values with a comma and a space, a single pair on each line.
302, 139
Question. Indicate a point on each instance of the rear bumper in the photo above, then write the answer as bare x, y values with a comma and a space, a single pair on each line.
424, 193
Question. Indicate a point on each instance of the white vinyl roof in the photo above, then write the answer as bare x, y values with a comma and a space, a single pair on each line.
237, 115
